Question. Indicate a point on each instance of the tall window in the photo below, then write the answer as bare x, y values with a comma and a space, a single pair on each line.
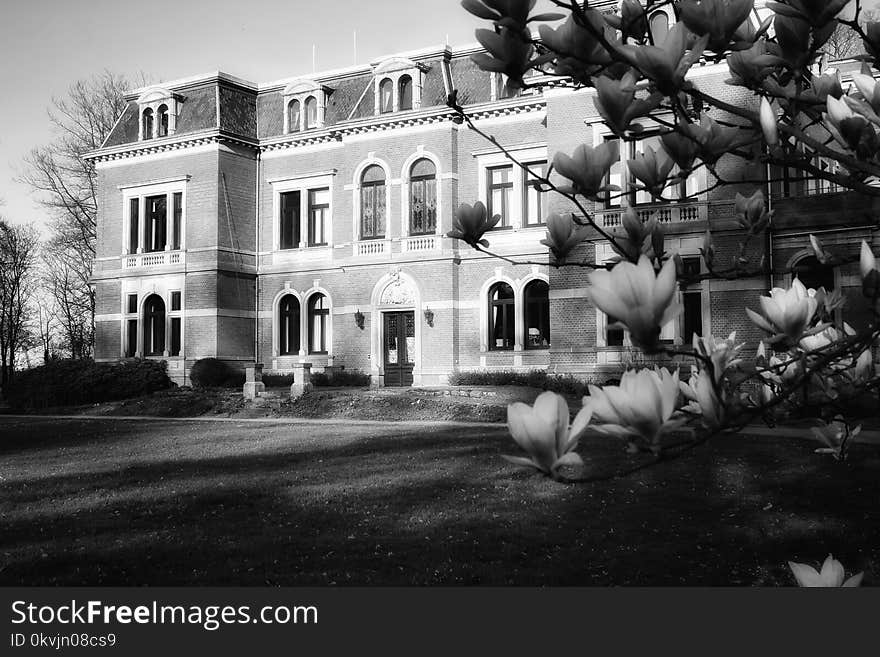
131, 326
311, 112
537, 302
659, 27
293, 111
501, 317
177, 219
692, 300
154, 326
373, 203
386, 92
319, 312
405, 93
288, 326
147, 124
290, 218
319, 208
500, 187
133, 224
162, 117
423, 198
533, 197
613, 334
156, 220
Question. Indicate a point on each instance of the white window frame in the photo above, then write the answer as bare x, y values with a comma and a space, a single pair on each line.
486, 161
142, 192
302, 184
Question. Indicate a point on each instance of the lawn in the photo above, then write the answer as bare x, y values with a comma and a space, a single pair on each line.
115, 502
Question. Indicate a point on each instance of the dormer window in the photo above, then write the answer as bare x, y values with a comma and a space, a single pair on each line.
386, 98
404, 92
158, 111
147, 123
311, 112
398, 85
293, 111
306, 101
162, 118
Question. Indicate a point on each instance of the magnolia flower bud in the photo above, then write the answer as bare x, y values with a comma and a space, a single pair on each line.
832, 574
768, 123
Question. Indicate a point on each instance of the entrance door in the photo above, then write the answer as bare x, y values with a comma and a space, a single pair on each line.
399, 339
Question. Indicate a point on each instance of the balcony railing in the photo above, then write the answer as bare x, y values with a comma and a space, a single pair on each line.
372, 248
156, 259
663, 213
420, 243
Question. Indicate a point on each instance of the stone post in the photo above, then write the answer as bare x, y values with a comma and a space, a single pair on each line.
253, 381
302, 380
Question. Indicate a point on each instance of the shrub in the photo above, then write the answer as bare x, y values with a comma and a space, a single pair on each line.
341, 378
565, 384
214, 373
71, 382
278, 380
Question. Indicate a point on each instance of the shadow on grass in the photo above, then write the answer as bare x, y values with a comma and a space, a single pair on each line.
435, 507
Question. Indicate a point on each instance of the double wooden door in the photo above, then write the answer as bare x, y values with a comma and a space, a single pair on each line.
399, 346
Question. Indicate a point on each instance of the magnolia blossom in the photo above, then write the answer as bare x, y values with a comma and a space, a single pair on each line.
832, 574
543, 432
838, 436
651, 168
587, 166
471, 223
867, 261
776, 374
639, 298
702, 399
563, 235
786, 313
723, 354
639, 409
751, 211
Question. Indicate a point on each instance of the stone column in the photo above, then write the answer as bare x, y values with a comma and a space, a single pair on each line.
302, 380
253, 381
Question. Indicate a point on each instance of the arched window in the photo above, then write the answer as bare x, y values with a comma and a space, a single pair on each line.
154, 326
162, 117
288, 326
659, 27
813, 274
405, 93
386, 91
537, 302
311, 112
319, 312
293, 117
423, 198
147, 124
373, 203
501, 316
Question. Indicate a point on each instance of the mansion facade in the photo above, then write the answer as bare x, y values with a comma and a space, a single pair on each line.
305, 221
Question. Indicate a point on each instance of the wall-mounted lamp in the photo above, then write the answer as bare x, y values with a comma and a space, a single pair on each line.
429, 317
359, 319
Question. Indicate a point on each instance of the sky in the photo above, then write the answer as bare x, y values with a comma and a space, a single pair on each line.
49, 44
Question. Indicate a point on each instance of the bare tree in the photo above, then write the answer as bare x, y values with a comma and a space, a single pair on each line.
18, 253
66, 186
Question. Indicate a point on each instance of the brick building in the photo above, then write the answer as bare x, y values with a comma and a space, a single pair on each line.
305, 220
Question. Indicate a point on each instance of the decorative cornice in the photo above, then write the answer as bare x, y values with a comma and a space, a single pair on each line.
151, 147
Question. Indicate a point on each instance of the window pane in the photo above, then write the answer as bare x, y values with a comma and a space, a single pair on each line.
148, 124
311, 112
405, 93
163, 120
293, 118
288, 342
613, 336
175, 301
290, 218
693, 316
319, 200
133, 225
385, 96
132, 303
422, 168
175, 337
177, 220
537, 298
501, 317
131, 345
156, 217
533, 202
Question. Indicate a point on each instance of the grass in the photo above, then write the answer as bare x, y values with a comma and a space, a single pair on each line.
113, 502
